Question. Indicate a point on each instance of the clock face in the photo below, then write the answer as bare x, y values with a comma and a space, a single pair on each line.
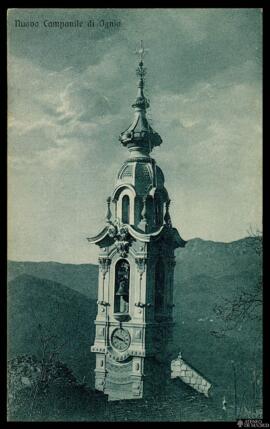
120, 339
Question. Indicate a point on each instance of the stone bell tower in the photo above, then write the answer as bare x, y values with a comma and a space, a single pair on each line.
135, 294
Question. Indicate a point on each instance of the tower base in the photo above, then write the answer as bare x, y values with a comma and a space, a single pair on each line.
120, 381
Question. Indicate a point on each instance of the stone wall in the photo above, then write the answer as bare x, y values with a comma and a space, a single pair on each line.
189, 376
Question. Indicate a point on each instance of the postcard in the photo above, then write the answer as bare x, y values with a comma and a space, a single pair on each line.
135, 215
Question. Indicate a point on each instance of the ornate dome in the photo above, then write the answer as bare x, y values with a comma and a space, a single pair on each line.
142, 174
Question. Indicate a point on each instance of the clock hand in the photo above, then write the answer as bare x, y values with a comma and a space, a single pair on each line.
119, 338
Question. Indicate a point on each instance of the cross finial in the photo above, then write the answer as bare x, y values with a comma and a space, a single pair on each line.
141, 51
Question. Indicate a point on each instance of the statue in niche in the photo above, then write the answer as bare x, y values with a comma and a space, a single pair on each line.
122, 287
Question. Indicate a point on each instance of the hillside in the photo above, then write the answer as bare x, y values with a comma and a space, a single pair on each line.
82, 277
206, 273
216, 259
60, 311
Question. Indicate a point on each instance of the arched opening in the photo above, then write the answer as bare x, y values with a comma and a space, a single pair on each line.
121, 288
150, 211
158, 211
125, 209
159, 286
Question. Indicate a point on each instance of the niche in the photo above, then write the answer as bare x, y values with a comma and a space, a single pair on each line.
121, 296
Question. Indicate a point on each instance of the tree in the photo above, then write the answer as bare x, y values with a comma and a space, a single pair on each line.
245, 304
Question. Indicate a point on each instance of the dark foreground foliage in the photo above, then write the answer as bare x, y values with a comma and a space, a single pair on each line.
48, 391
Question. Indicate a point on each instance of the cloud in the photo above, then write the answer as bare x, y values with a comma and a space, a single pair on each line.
70, 96
211, 155
69, 111
83, 103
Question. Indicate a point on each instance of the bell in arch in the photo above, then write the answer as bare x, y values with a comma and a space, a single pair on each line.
123, 289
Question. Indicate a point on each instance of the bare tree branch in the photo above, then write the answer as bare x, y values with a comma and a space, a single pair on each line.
245, 305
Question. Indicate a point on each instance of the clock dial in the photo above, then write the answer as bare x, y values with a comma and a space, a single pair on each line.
120, 339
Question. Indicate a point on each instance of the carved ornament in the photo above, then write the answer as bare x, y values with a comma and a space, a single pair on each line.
120, 234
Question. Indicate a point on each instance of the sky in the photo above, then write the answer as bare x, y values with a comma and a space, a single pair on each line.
70, 92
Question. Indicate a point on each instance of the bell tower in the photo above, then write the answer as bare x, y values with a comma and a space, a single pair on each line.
134, 319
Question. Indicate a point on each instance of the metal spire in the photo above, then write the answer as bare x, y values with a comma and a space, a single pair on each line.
139, 134
141, 70
141, 100
141, 51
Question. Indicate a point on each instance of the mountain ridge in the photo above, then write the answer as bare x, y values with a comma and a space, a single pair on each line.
188, 242
198, 258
